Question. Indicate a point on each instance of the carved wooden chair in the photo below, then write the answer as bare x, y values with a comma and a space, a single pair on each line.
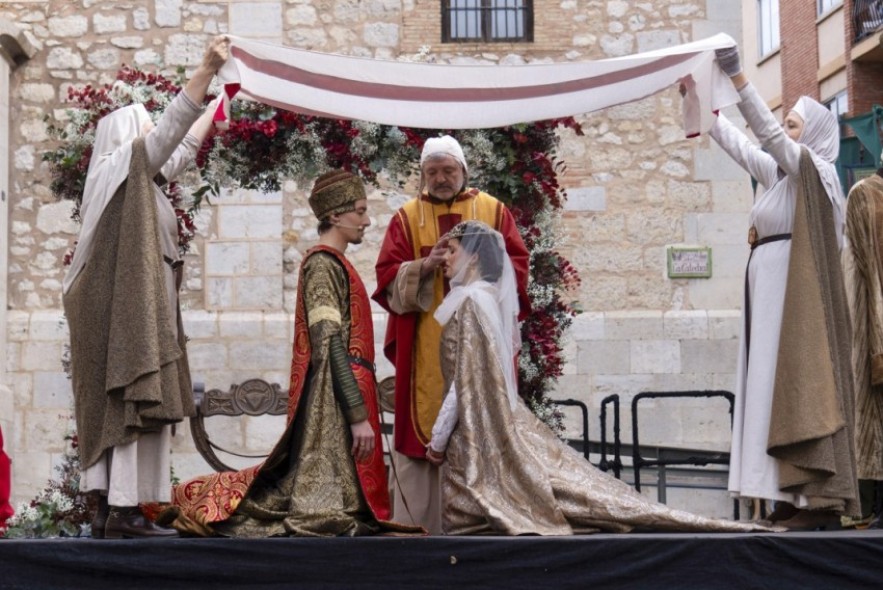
253, 397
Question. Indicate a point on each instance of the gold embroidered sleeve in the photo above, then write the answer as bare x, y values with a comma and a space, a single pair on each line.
326, 290
326, 297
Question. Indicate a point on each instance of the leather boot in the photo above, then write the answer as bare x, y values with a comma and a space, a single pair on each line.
128, 522
99, 519
783, 511
812, 520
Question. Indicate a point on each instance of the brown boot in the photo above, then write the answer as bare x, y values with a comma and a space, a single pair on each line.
99, 519
783, 511
812, 520
128, 522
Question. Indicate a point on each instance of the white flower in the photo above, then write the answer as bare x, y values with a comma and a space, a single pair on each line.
26, 513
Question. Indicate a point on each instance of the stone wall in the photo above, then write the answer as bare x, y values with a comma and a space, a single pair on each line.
7, 408
635, 186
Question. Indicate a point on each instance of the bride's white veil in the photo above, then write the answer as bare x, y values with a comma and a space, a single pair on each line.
484, 273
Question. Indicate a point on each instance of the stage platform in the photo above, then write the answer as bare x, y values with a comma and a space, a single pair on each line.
778, 561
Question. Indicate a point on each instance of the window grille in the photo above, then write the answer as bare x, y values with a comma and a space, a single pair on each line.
487, 21
867, 17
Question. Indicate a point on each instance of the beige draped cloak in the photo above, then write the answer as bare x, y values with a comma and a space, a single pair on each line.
130, 372
811, 431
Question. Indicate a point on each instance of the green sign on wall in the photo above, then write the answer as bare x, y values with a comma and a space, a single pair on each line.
689, 262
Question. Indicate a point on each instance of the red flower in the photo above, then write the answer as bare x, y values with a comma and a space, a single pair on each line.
269, 128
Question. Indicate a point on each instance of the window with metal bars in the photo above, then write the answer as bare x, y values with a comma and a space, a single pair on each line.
487, 21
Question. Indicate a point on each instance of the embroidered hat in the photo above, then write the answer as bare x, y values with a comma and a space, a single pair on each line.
336, 192
443, 145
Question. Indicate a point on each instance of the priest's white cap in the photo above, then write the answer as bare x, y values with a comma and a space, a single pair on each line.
443, 145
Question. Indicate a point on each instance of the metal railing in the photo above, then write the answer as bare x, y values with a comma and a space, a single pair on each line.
584, 439
616, 463
867, 17
653, 465
664, 457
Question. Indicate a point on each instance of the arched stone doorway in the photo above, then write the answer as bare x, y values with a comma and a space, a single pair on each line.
15, 49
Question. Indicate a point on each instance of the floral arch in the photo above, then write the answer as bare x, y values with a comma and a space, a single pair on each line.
264, 146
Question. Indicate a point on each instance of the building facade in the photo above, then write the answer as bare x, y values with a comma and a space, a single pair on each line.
635, 187
830, 50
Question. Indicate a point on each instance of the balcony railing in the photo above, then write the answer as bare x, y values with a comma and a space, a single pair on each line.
867, 16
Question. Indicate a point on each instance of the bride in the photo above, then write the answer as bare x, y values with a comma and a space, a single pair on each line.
505, 472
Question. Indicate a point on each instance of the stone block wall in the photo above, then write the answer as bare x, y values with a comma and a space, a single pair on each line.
618, 352
635, 187
629, 352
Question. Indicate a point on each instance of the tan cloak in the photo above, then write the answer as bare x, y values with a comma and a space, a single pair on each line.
812, 412
130, 372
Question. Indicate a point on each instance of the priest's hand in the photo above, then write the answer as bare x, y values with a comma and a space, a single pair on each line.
434, 457
363, 440
435, 259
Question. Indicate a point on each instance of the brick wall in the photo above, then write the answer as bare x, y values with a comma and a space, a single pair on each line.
864, 78
800, 54
865, 86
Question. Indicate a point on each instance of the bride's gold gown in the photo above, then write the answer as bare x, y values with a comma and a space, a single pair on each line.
507, 473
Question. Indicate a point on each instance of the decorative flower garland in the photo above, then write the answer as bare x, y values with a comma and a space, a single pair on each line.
264, 146
69, 162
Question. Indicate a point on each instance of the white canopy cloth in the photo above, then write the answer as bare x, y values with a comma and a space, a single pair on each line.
423, 95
